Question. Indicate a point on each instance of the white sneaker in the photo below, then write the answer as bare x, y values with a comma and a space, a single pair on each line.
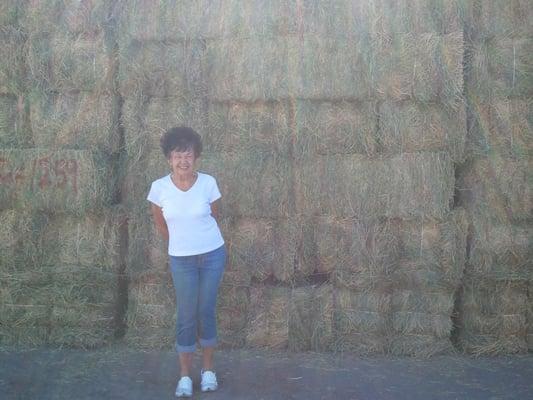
209, 381
184, 388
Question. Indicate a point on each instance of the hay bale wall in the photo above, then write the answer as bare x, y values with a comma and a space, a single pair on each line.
61, 266
495, 182
355, 144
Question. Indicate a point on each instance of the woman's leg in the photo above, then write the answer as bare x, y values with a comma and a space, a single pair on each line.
186, 279
211, 270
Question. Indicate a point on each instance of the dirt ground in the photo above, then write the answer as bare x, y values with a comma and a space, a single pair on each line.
119, 373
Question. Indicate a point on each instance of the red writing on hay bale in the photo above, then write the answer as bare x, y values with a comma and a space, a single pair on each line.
41, 173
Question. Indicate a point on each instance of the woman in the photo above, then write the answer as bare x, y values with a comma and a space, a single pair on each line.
184, 206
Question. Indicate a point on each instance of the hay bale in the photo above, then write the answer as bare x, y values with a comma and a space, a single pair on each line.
170, 19
68, 180
79, 120
232, 314
13, 123
340, 127
63, 63
147, 251
330, 68
268, 324
262, 249
12, 60
358, 253
92, 241
248, 69
426, 67
146, 118
414, 126
244, 127
72, 16
162, 69
311, 318
421, 322
500, 251
492, 316
253, 184
501, 68
377, 18
10, 12
499, 18
148, 338
407, 185
497, 189
501, 127
361, 320
151, 301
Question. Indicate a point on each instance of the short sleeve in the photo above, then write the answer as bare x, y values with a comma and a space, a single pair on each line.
214, 193
154, 196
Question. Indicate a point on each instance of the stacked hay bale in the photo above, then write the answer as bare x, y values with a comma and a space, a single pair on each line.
495, 182
379, 124
333, 138
60, 281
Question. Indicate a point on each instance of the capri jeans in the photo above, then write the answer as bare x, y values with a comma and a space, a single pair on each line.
196, 281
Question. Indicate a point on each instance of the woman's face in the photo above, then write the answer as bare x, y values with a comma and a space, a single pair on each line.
182, 162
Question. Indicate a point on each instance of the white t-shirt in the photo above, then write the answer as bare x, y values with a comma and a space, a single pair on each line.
191, 227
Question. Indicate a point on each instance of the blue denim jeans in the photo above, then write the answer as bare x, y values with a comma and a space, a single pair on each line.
196, 280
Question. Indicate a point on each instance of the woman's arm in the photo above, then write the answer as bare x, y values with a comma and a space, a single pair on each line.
214, 209
159, 221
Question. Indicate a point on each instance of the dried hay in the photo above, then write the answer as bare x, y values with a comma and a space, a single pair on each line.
500, 251
501, 127
12, 60
92, 241
501, 68
232, 314
248, 69
361, 321
359, 254
330, 68
497, 189
239, 175
407, 185
10, 12
151, 301
162, 69
380, 18
67, 180
421, 322
72, 16
147, 250
500, 18
78, 120
146, 118
492, 316
14, 130
65, 63
268, 324
244, 127
311, 318
170, 19
414, 127
425, 67
420, 346
262, 249
327, 127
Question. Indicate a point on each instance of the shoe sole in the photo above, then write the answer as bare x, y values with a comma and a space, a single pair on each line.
209, 389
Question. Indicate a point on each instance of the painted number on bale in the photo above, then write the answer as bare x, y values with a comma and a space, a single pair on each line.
41, 173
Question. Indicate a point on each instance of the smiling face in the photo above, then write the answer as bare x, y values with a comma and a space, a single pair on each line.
182, 163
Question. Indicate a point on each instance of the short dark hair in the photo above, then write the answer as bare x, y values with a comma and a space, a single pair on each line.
181, 138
